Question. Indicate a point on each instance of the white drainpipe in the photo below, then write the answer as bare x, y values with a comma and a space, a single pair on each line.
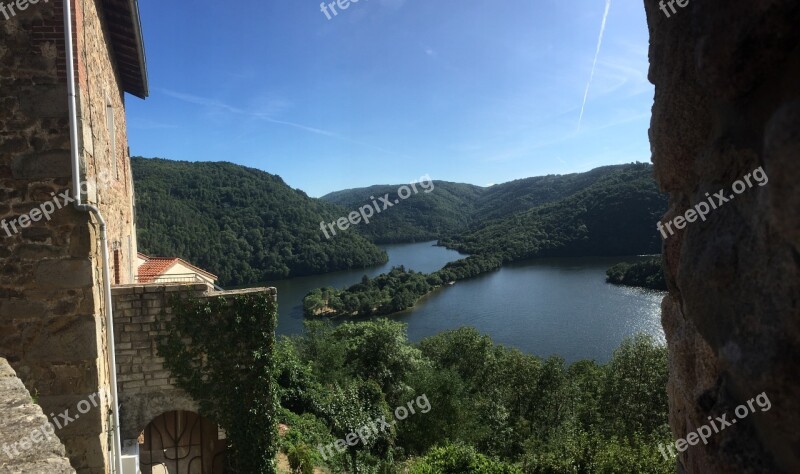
76, 187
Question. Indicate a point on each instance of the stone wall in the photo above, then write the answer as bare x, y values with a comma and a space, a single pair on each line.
727, 100
52, 322
107, 171
145, 386
24, 447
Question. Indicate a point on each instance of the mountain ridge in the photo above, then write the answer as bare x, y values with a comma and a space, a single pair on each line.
249, 226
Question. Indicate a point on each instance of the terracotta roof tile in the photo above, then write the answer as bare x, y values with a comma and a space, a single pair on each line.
154, 267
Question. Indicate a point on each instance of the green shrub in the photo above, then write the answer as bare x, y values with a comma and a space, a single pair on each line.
301, 459
459, 459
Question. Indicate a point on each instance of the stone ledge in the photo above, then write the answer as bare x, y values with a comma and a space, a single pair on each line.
21, 419
159, 288
268, 290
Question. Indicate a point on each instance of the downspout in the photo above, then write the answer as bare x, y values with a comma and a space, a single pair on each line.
79, 205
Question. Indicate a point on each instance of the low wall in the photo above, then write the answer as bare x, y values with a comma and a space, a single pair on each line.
146, 389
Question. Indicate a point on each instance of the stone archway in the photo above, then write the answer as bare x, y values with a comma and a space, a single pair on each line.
181, 442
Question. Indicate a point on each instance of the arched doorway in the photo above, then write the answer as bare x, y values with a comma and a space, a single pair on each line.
181, 442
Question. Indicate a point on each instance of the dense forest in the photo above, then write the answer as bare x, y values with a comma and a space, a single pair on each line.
490, 409
648, 273
242, 224
248, 226
575, 214
449, 208
394, 291
614, 215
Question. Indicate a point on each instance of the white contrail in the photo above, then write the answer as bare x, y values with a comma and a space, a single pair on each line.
594, 64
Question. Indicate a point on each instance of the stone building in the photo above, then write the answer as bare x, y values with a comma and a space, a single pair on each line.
53, 329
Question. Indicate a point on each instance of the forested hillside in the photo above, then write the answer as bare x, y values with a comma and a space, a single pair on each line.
614, 215
448, 208
248, 226
522, 194
610, 210
242, 224
648, 273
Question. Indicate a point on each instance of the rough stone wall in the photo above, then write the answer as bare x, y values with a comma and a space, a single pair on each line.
727, 100
107, 172
146, 388
52, 322
24, 448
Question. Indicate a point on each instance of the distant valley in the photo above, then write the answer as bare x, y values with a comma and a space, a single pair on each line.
248, 226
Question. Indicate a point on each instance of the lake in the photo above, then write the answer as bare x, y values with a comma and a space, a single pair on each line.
558, 306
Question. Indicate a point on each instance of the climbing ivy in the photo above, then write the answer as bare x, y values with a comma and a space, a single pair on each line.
220, 351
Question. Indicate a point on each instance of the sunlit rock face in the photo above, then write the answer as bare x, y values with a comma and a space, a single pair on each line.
25, 445
727, 101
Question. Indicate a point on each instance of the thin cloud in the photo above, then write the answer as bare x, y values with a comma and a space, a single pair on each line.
212, 103
594, 63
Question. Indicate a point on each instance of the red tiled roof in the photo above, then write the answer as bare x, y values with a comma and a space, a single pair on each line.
197, 269
155, 266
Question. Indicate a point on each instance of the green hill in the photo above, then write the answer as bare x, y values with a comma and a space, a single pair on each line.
248, 226
614, 214
610, 210
242, 224
448, 208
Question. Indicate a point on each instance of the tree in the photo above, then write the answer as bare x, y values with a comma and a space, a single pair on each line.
353, 409
378, 350
634, 394
460, 459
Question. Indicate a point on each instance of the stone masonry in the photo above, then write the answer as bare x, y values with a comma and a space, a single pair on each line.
23, 448
52, 314
146, 388
727, 100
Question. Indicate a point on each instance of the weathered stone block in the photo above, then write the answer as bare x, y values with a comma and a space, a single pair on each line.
48, 164
21, 308
66, 339
44, 101
37, 234
39, 251
66, 273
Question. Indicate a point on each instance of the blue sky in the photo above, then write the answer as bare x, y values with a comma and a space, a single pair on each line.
471, 91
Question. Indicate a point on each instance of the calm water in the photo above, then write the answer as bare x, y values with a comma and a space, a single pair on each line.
545, 307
